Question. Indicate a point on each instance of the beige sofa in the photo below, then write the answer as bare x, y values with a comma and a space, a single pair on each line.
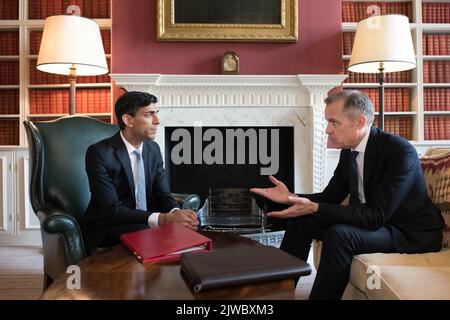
398, 276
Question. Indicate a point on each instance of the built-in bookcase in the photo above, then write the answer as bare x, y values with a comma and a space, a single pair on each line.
25, 92
417, 102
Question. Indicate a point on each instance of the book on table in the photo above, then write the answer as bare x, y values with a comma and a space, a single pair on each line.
239, 266
165, 243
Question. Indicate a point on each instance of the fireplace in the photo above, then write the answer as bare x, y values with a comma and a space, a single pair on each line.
220, 164
248, 100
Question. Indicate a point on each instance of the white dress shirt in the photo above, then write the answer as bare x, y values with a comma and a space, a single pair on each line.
153, 218
361, 148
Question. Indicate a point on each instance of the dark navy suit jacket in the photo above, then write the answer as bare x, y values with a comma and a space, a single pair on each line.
395, 193
112, 188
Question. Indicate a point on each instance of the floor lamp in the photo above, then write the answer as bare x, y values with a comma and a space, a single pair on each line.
382, 44
72, 45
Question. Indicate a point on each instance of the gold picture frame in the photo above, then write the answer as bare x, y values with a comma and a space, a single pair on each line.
178, 21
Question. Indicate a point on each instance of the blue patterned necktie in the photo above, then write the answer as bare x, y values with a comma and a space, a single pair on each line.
141, 201
354, 193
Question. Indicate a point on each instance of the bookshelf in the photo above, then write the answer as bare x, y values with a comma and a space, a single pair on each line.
417, 101
9, 75
29, 94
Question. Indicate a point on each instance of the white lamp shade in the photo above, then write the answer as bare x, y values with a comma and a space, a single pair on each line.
72, 40
386, 39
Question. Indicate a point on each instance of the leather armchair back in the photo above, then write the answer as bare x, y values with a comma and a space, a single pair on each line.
58, 175
59, 187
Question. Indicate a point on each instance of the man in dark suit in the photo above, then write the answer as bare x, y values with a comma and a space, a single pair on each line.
129, 187
389, 209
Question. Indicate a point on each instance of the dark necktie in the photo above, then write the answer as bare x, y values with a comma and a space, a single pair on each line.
354, 194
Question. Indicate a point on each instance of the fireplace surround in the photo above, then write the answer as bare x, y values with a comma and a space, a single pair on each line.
248, 100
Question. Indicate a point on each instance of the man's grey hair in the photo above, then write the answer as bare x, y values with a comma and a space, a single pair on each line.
356, 103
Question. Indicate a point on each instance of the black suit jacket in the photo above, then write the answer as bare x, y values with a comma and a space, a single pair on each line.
112, 188
395, 193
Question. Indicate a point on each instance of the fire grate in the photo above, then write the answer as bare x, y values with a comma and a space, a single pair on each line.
232, 210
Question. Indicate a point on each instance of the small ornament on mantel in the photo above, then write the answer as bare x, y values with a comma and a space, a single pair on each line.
230, 63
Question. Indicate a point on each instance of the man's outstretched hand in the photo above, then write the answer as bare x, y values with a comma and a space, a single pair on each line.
279, 193
299, 207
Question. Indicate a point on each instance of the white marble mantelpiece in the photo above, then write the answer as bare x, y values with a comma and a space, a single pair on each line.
247, 100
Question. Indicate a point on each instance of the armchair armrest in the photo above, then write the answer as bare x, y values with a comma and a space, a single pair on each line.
187, 201
61, 232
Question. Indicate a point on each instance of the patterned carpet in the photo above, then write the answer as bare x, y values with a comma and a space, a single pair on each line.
21, 273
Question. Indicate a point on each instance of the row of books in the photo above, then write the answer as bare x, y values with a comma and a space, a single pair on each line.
436, 71
436, 44
393, 77
437, 128
9, 43
347, 42
40, 9
395, 99
36, 37
436, 12
56, 101
9, 101
9, 72
9, 9
400, 126
9, 132
357, 11
436, 99
39, 77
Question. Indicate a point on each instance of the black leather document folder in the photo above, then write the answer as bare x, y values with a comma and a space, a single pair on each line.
239, 266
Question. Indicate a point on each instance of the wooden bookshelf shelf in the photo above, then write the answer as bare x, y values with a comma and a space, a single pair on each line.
9, 116
9, 58
58, 115
66, 86
436, 58
376, 85
436, 85
13, 86
433, 113
404, 113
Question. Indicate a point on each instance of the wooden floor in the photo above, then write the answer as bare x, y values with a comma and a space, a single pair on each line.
305, 284
21, 274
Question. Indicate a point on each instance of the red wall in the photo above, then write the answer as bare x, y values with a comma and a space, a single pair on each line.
135, 49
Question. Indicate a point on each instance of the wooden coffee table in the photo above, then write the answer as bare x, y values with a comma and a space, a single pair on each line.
115, 273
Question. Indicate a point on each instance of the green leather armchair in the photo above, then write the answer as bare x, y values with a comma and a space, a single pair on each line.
59, 187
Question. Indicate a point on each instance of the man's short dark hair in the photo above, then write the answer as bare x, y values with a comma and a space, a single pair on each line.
356, 103
130, 103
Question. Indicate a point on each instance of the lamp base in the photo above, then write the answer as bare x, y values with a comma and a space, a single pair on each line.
381, 98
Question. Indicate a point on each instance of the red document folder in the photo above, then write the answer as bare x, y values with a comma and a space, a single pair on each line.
165, 243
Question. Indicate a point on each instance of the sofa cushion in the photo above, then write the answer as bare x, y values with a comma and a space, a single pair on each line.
403, 276
436, 170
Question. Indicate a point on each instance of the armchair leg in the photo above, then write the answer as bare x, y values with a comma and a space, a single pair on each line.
47, 281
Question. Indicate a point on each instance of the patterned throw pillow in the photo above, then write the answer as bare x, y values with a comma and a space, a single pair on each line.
436, 170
